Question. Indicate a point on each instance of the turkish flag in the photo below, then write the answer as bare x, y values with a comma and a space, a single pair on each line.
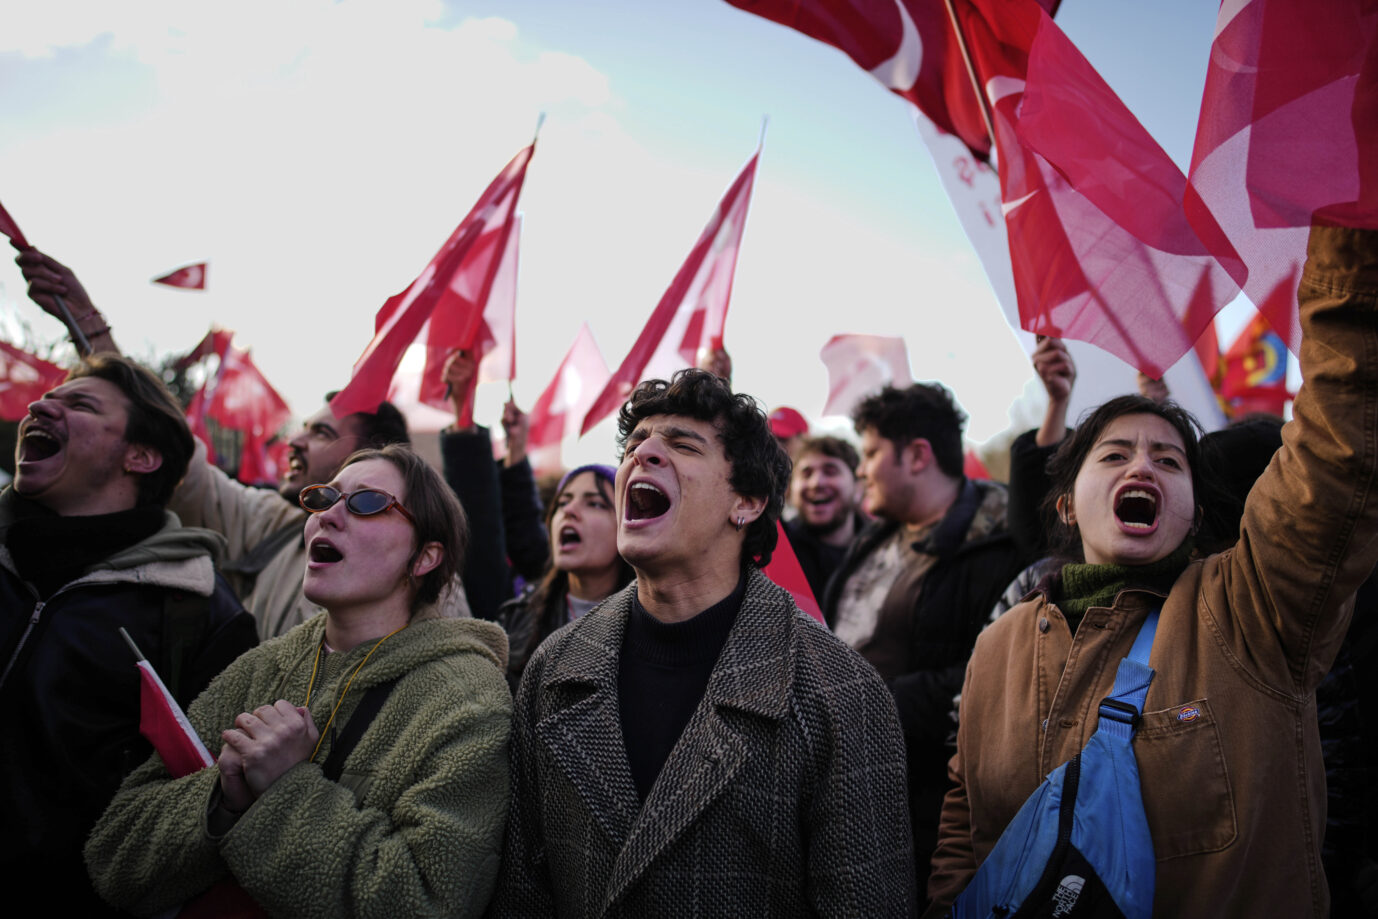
1288, 135
450, 293
691, 314
859, 365
564, 402
24, 378
189, 277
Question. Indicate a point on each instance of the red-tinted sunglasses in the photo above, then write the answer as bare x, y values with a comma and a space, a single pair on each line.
365, 502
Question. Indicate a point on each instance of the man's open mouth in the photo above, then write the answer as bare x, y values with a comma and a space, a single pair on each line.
36, 445
645, 501
1137, 509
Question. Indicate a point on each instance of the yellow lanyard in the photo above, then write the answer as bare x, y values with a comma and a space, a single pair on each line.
311, 685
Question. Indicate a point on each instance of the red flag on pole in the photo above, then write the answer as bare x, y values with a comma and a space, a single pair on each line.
1288, 133
858, 365
564, 402
24, 377
188, 277
163, 722
784, 569
11, 229
451, 293
691, 314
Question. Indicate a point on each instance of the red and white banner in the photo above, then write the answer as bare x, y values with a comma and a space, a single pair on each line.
859, 365
188, 277
693, 311
1288, 133
163, 722
24, 378
11, 229
447, 300
240, 398
564, 402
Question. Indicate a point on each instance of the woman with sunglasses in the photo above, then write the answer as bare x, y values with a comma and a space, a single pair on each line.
585, 568
363, 755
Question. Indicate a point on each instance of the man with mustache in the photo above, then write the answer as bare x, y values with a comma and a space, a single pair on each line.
266, 555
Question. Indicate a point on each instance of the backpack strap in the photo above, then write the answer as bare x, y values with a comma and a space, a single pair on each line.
1120, 711
363, 716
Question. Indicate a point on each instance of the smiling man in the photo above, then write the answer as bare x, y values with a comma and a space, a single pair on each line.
823, 491
916, 586
86, 548
696, 745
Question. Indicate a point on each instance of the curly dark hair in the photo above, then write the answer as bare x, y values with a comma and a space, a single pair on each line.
1065, 541
923, 410
760, 468
155, 420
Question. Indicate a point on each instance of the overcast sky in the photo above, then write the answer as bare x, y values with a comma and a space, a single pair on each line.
318, 153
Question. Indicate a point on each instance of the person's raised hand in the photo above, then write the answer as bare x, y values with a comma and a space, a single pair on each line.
1055, 368
516, 426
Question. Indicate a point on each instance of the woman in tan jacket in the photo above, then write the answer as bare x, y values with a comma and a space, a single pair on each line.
1228, 753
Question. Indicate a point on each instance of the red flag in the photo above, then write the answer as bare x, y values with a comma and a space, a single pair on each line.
784, 569
564, 402
972, 467
242, 399
165, 725
189, 277
451, 293
24, 377
1291, 109
1255, 377
691, 314
859, 365
216, 342
1101, 248
11, 229
910, 46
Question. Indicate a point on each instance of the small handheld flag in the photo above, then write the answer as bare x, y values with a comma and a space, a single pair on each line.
163, 722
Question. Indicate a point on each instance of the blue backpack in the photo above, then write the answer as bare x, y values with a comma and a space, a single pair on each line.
1080, 846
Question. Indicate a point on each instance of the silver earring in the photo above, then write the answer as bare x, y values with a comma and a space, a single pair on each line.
740, 521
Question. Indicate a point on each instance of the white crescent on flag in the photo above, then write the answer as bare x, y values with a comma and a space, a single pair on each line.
901, 71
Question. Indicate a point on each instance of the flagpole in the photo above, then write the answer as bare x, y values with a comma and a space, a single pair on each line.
78, 336
765, 123
133, 647
540, 120
975, 81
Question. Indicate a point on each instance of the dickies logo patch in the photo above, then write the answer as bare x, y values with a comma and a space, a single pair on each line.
1188, 713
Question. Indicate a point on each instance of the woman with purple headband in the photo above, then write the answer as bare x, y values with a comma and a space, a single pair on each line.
584, 567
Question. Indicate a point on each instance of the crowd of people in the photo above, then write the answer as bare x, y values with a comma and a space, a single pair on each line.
431, 692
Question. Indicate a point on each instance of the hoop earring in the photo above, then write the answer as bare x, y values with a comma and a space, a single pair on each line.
740, 522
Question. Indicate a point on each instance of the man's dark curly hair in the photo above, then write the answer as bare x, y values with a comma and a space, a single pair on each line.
760, 469
924, 410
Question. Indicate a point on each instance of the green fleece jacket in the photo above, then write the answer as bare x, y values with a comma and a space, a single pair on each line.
413, 828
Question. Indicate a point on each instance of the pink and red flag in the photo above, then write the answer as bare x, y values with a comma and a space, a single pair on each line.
1288, 134
240, 398
1100, 248
24, 377
11, 229
564, 402
859, 365
444, 308
693, 311
188, 277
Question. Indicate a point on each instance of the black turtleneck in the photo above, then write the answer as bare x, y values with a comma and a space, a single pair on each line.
661, 676
50, 550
